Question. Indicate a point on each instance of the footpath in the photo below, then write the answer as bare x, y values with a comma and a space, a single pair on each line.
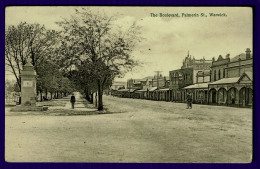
80, 105
60, 107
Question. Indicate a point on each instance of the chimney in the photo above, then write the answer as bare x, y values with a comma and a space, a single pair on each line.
248, 53
227, 56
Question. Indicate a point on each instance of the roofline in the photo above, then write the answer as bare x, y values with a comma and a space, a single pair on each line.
181, 69
244, 74
230, 62
223, 83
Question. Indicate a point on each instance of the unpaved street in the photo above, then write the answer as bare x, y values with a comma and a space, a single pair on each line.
131, 131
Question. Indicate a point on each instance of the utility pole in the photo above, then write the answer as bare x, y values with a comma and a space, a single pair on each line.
158, 74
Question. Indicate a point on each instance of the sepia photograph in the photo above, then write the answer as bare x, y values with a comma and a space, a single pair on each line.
129, 84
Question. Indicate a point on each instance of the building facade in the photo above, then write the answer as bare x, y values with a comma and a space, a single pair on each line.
232, 80
116, 85
225, 81
192, 71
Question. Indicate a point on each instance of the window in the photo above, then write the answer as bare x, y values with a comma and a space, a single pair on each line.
174, 77
215, 78
180, 76
224, 73
219, 74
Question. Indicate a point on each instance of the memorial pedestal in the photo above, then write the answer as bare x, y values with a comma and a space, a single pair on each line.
28, 90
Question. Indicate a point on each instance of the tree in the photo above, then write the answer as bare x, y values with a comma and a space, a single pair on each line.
93, 39
34, 41
28, 40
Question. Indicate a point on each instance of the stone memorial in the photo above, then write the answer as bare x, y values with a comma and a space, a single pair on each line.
28, 90
28, 85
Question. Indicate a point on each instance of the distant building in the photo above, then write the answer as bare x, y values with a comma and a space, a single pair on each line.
225, 81
139, 83
160, 88
160, 81
116, 85
197, 65
147, 82
134, 84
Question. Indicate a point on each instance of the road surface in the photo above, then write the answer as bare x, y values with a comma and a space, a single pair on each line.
130, 130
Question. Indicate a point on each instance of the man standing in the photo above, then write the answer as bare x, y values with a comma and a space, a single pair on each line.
72, 100
189, 101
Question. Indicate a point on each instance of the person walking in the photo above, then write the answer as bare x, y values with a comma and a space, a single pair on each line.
190, 101
72, 100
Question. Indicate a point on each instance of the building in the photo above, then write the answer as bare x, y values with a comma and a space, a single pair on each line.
199, 90
232, 80
193, 71
134, 84
116, 85
139, 83
197, 65
159, 87
225, 81
203, 76
160, 81
152, 87
179, 79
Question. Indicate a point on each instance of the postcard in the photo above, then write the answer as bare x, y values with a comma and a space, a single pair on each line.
119, 84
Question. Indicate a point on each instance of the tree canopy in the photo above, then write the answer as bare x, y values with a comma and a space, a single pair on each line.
97, 49
87, 54
34, 41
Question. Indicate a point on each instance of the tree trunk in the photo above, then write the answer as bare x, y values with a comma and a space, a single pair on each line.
100, 94
37, 93
41, 95
87, 95
96, 99
46, 93
100, 101
51, 95
90, 97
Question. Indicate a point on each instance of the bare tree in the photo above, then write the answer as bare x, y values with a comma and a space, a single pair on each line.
28, 40
92, 38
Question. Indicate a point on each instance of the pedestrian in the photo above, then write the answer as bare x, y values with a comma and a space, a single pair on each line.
72, 100
189, 101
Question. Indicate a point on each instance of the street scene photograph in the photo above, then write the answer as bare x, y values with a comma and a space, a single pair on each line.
117, 84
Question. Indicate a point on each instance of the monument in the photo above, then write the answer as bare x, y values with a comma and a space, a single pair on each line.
28, 85
28, 90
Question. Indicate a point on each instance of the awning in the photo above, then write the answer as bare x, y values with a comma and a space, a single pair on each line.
198, 86
166, 89
123, 90
132, 90
226, 81
140, 91
152, 89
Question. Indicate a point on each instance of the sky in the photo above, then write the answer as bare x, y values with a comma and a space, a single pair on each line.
167, 40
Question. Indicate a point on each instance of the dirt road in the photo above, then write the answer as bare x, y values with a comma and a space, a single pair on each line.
133, 131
